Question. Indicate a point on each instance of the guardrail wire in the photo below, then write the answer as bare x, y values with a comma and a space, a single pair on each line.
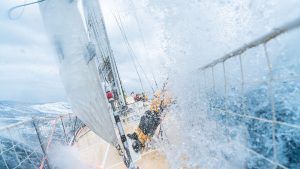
271, 122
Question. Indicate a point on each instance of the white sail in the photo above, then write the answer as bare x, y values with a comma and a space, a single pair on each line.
77, 66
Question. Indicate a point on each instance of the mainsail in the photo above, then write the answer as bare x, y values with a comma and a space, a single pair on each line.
77, 66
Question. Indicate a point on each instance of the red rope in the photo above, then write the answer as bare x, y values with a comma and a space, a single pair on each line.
48, 144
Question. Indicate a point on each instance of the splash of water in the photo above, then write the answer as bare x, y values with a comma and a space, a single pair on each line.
197, 32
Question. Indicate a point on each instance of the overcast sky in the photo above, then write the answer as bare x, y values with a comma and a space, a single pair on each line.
28, 69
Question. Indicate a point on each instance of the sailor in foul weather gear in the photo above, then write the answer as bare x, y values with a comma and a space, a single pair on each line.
111, 100
149, 121
144, 97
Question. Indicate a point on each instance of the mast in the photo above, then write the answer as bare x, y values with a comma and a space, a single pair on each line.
98, 35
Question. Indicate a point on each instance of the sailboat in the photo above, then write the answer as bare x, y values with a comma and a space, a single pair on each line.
86, 63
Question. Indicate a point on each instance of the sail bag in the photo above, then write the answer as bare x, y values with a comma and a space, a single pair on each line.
79, 74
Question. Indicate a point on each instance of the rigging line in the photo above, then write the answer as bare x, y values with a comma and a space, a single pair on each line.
134, 64
121, 84
95, 32
20, 14
133, 54
19, 6
103, 50
143, 71
118, 81
143, 39
97, 26
127, 41
100, 52
135, 59
117, 69
129, 50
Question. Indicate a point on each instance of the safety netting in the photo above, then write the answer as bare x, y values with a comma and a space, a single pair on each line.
27, 144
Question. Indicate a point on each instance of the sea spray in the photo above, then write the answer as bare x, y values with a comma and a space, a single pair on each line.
195, 139
67, 157
197, 32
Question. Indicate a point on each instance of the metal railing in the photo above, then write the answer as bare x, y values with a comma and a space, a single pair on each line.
26, 144
220, 97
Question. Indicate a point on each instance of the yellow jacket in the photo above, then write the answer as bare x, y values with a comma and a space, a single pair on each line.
160, 99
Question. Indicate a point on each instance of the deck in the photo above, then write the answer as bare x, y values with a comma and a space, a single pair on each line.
96, 153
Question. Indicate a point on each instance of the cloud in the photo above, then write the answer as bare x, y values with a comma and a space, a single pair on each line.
140, 25
28, 69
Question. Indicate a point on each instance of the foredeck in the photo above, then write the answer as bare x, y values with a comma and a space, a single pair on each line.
96, 153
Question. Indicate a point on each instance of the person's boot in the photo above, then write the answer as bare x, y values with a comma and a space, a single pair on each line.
137, 146
133, 136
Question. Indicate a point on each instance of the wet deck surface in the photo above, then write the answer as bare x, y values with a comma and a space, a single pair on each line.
97, 153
